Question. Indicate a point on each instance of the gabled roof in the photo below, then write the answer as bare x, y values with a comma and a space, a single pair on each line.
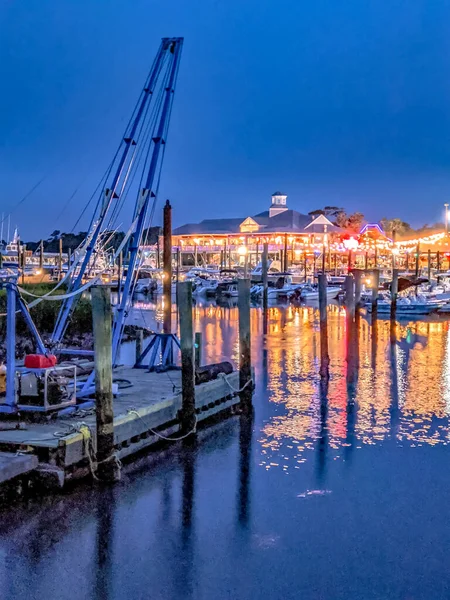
322, 225
289, 221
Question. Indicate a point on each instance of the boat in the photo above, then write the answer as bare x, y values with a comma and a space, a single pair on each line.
283, 287
309, 291
407, 305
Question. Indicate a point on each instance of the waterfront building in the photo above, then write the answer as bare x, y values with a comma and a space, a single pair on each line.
235, 241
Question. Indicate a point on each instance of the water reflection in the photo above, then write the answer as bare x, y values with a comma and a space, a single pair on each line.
254, 503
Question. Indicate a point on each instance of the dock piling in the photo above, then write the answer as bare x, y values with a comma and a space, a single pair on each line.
264, 265
108, 468
324, 356
187, 413
198, 349
139, 343
167, 266
394, 292
375, 286
245, 371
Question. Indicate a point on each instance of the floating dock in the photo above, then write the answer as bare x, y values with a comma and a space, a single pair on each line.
64, 447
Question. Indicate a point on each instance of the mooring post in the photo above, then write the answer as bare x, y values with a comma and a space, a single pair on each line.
198, 349
394, 292
285, 253
350, 323
139, 343
264, 266
24, 261
119, 276
375, 286
417, 259
429, 265
10, 344
167, 267
305, 265
178, 263
366, 260
245, 369
41, 255
357, 275
108, 468
187, 412
60, 257
350, 297
324, 356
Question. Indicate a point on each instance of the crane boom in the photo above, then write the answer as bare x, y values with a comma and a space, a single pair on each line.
133, 146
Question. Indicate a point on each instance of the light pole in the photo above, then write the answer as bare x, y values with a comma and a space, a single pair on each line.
446, 218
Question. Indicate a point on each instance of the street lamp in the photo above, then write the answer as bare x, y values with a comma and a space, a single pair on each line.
446, 218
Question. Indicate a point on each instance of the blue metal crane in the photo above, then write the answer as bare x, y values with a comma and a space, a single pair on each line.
143, 144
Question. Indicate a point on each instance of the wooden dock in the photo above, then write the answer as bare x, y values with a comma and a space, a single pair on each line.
64, 447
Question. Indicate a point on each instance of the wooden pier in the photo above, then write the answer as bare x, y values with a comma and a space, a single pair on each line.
145, 413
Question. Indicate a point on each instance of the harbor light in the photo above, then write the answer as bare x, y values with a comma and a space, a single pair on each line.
242, 250
351, 243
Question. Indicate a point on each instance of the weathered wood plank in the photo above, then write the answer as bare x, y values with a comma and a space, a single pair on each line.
13, 465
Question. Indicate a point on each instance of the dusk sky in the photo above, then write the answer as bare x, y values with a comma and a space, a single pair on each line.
333, 102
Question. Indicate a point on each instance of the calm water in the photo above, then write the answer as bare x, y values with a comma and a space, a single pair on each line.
328, 494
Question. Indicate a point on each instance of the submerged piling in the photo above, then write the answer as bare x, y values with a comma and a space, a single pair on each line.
187, 412
108, 468
245, 370
323, 319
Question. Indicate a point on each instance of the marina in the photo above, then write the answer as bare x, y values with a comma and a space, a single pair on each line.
211, 390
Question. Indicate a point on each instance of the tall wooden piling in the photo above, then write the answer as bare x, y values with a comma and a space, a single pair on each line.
438, 261
394, 293
178, 263
323, 320
108, 468
119, 276
60, 257
198, 349
350, 297
139, 343
335, 264
323, 258
417, 259
264, 266
187, 412
245, 370
375, 286
41, 255
167, 266
357, 274
24, 262
285, 253
429, 265
305, 265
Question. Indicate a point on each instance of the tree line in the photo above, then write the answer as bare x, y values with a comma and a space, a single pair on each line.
392, 227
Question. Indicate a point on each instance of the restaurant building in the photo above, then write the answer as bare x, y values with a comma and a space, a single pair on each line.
233, 241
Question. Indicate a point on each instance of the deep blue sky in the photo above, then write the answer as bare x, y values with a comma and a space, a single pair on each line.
333, 102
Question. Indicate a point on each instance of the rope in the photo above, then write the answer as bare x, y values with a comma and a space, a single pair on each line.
163, 437
224, 377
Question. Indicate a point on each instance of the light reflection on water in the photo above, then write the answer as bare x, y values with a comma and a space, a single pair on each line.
319, 496
400, 392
